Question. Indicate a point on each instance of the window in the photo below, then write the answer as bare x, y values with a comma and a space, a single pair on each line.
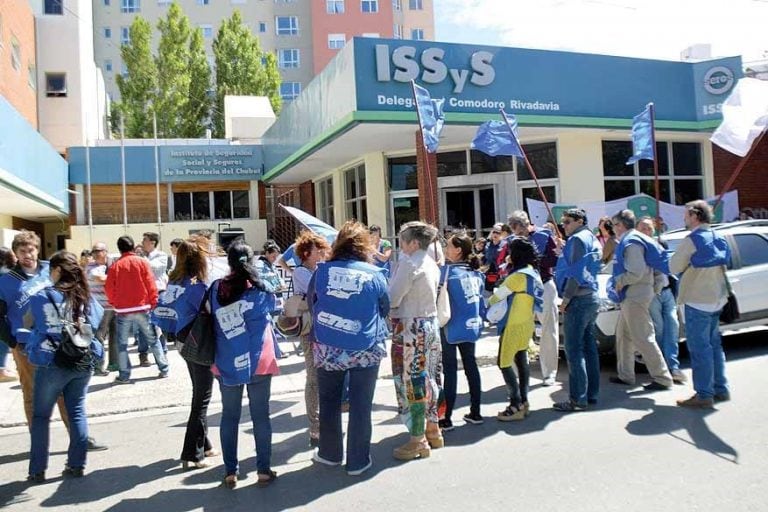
453, 163
262, 27
402, 174
53, 7
32, 76
397, 5
207, 205
397, 31
108, 65
334, 6
123, 69
203, 2
371, 34
15, 53
325, 201
125, 35
354, 193
415, 5
369, 5
290, 90
287, 25
753, 249
107, 32
56, 85
207, 31
130, 6
336, 41
106, 3
680, 172
288, 58
417, 34
542, 157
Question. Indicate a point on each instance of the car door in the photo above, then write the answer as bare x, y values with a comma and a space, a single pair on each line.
749, 277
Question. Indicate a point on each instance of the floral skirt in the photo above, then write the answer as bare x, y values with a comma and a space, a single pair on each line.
416, 368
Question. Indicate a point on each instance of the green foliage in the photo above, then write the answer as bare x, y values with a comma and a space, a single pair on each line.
197, 110
242, 68
174, 78
138, 89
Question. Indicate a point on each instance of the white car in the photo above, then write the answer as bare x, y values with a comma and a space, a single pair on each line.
748, 274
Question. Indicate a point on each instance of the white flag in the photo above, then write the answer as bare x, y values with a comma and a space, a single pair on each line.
745, 116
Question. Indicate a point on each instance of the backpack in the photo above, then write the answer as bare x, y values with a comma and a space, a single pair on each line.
73, 351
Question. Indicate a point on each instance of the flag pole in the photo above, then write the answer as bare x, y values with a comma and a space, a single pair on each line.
430, 202
122, 170
535, 178
738, 169
656, 183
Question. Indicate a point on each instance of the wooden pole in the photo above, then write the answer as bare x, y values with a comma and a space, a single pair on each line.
431, 200
535, 178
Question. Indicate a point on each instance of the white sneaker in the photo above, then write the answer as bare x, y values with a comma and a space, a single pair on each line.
362, 470
317, 458
549, 381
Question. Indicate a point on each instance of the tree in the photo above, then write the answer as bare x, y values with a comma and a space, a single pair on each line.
197, 110
138, 89
174, 77
242, 68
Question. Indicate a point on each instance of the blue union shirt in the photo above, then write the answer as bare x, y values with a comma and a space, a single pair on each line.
465, 291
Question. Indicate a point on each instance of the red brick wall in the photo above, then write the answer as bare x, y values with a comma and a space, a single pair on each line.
753, 193
17, 21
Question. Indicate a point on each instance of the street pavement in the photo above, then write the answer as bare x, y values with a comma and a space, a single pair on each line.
633, 451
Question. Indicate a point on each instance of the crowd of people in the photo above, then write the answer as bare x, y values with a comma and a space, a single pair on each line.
69, 318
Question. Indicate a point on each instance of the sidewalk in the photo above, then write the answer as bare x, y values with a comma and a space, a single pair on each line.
150, 393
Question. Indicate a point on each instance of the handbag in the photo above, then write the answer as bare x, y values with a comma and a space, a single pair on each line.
730, 312
497, 312
200, 340
444, 302
295, 320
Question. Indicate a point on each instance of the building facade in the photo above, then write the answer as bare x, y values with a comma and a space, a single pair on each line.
33, 176
359, 148
304, 34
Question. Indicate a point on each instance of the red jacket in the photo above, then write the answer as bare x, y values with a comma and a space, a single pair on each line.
130, 285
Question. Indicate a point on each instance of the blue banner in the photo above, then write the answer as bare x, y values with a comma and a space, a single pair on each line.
642, 137
431, 117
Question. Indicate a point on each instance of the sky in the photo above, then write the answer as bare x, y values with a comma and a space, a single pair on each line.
657, 29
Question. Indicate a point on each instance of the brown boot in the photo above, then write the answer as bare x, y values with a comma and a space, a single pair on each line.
697, 403
434, 436
144, 360
412, 450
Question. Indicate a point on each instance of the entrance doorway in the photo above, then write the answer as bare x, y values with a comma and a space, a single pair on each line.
473, 209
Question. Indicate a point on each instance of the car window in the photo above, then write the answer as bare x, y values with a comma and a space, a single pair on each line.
673, 243
753, 249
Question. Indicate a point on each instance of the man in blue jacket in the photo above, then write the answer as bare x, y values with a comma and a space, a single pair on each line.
16, 287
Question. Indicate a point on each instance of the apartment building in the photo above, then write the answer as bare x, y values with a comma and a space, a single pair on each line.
304, 34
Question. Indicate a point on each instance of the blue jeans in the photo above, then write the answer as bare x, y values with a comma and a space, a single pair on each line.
50, 383
4, 349
141, 343
258, 403
362, 384
706, 351
128, 324
664, 315
581, 349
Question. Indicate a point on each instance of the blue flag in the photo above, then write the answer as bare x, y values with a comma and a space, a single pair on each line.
642, 137
431, 117
494, 138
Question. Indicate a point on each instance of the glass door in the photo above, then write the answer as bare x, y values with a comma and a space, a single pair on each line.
472, 209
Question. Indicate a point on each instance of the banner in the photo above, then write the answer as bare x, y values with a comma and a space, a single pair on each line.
642, 204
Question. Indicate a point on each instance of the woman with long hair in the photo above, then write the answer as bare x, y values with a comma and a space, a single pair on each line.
523, 291
465, 292
62, 367
416, 340
177, 307
311, 249
245, 358
349, 302
607, 238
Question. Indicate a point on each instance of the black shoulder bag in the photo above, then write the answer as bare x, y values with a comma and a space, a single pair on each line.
73, 352
199, 338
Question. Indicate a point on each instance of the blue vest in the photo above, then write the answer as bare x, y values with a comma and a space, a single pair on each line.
241, 330
465, 293
586, 269
349, 303
540, 239
712, 250
45, 335
533, 287
178, 305
655, 257
16, 288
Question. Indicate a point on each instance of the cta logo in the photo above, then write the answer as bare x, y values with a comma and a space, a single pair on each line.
718, 80
430, 68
